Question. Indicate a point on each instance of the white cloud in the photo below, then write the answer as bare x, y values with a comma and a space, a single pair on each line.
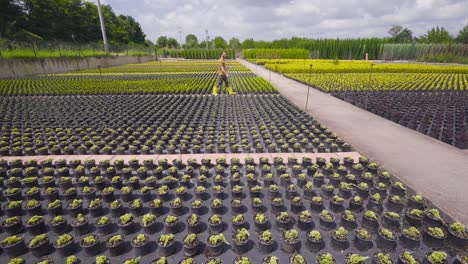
271, 19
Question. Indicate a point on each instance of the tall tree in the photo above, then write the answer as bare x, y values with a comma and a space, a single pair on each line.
463, 35
220, 43
172, 43
234, 43
191, 41
248, 43
400, 34
437, 35
162, 42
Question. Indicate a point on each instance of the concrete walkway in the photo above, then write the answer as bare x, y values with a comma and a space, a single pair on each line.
434, 169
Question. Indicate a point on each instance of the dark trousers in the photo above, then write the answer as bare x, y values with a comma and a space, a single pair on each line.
221, 79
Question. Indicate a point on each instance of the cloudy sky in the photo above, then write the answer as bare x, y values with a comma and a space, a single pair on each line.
274, 19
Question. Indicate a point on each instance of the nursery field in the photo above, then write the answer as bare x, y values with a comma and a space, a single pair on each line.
171, 206
432, 99
213, 211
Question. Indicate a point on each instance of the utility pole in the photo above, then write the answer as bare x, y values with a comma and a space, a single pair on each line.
180, 36
207, 38
308, 87
370, 85
103, 27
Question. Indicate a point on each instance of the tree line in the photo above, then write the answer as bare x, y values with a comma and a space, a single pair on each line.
65, 20
397, 34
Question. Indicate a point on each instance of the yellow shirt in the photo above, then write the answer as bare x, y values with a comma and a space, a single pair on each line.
221, 66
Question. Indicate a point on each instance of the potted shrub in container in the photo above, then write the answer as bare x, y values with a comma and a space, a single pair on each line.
414, 217
305, 220
80, 224
75, 207
191, 245
236, 206
115, 244
325, 258
171, 224
217, 206
216, 244
107, 194
136, 207
363, 239
355, 204
261, 221
290, 241
13, 208
410, 237
216, 224
238, 221
90, 244
337, 204
266, 242
33, 193
70, 193
395, 203
141, 244
115, 208
407, 258
13, 225
36, 225
194, 224
374, 202
327, 220
166, 243
382, 258
398, 189
432, 217
386, 239
391, 219
58, 224
457, 235
340, 239
95, 207
352, 258
156, 207
348, 220
437, 257
257, 205
51, 194
200, 193
434, 237
327, 190
416, 202
126, 194
64, 245
315, 241
126, 224
283, 221
149, 223
103, 225
33, 207
13, 246
177, 206
241, 239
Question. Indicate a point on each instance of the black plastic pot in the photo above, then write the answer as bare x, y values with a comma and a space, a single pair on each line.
143, 249
315, 246
14, 228
65, 250
216, 228
266, 248
179, 210
82, 228
361, 243
370, 224
409, 242
105, 228
432, 241
172, 228
243, 248
128, 228
394, 206
117, 211
192, 250
116, 250
16, 249
413, 220
305, 225
385, 243
457, 240
338, 244
327, 225
37, 228
96, 211
152, 227
195, 229
290, 247
43, 249
167, 250
91, 250
59, 228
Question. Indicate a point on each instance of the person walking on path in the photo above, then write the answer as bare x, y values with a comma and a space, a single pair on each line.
222, 76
